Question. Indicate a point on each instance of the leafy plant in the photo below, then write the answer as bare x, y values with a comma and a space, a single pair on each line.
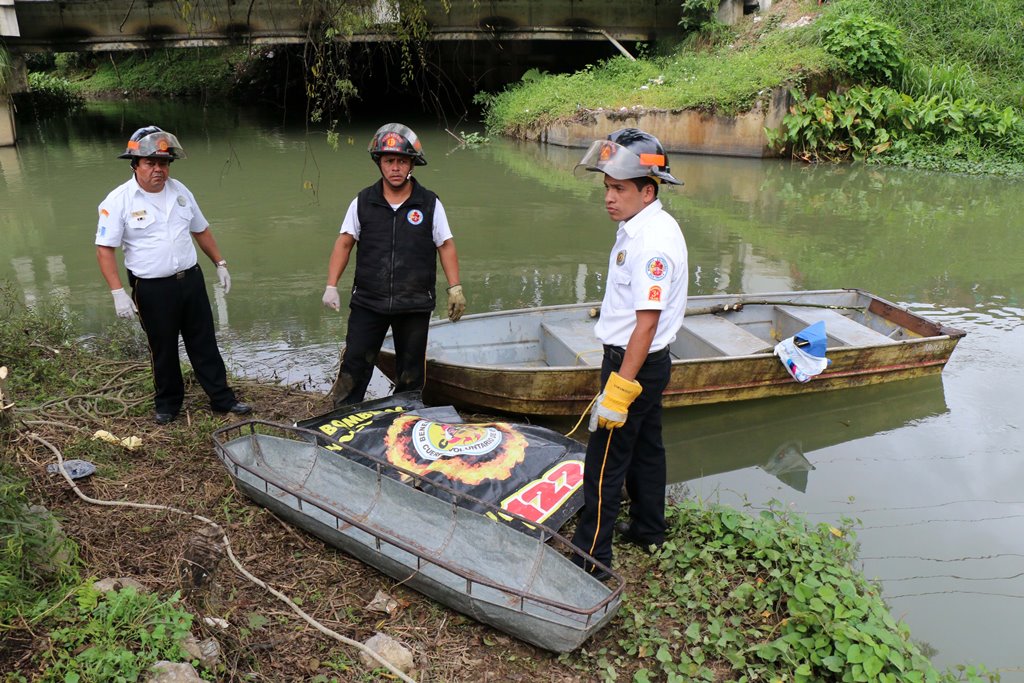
972, 48
116, 636
473, 139
52, 94
768, 597
865, 123
867, 48
697, 13
37, 563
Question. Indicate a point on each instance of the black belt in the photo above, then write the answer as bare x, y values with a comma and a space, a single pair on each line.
177, 276
617, 353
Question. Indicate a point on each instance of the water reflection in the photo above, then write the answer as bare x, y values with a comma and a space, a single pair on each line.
782, 435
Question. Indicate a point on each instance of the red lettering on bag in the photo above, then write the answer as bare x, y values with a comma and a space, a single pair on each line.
541, 497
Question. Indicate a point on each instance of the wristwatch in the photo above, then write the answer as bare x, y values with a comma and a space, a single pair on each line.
222, 262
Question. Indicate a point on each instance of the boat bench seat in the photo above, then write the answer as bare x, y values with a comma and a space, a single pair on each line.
569, 344
838, 327
716, 336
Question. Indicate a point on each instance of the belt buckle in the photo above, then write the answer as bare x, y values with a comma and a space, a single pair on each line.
180, 274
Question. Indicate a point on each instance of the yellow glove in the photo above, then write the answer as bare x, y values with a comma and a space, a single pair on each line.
612, 405
456, 302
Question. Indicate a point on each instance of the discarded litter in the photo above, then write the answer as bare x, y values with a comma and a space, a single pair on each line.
76, 469
130, 442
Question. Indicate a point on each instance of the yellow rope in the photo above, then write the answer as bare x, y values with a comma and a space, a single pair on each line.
580, 421
600, 495
576, 361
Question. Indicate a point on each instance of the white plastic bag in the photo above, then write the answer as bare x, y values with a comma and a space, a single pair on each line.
803, 354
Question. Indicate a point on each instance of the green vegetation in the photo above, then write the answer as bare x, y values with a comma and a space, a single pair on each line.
5, 67
887, 81
964, 49
37, 564
769, 598
884, 125
115, 636
720, 79
207, 72
925, 109
92, 636
867, 49
47, 93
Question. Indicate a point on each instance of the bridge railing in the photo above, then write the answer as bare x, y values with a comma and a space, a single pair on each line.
97, 25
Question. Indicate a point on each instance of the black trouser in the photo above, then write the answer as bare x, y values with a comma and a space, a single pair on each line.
366, 332
173, 306
635, 455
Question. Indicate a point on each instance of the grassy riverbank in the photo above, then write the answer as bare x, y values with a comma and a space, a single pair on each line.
886, 81
731, 596
211, 73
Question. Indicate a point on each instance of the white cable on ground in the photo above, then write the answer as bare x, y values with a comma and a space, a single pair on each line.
231, 556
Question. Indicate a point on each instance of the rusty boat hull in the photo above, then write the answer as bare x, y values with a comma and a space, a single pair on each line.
547, 360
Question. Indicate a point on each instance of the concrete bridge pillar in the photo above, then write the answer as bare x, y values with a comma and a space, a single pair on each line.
9, 27
729, 11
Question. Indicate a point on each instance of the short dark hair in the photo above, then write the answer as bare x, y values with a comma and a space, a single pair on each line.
646, 180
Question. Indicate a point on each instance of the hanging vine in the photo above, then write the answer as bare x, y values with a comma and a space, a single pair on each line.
329, 87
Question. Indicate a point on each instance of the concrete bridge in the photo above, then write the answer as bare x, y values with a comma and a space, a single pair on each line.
28, 26
107, 25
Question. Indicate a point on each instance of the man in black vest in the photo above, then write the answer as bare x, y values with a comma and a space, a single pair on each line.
399, 225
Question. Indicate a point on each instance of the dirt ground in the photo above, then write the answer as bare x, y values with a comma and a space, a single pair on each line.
265, 641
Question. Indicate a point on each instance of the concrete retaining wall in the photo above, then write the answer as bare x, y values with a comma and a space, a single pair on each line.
7, 132
688, 131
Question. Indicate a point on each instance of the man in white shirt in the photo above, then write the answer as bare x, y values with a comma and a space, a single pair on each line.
402, 230
643, 307
154, 220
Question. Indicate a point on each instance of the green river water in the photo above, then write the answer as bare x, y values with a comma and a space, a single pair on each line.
933, 469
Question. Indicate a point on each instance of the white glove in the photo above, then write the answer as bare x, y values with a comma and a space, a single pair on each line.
123, 304
600, 411
331, 298
456, 303
224, 277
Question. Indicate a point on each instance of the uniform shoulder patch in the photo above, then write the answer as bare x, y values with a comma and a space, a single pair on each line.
657, 268
654, 293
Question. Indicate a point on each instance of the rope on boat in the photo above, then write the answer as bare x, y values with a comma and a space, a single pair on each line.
725, 308
230, 555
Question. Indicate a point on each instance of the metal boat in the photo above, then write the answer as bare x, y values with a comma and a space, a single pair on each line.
547, 360
524, 585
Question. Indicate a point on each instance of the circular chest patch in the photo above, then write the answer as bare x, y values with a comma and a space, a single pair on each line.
415, 216
656, 269
433, 440
181, 200
466, 453
620, 258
